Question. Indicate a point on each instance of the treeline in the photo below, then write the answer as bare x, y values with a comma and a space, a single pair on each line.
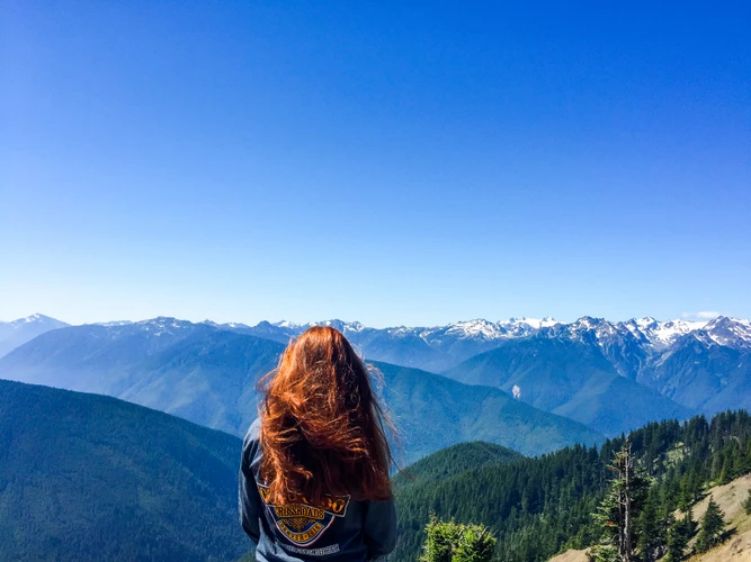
539, 506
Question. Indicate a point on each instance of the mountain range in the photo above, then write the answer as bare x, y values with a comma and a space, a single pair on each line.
570, 378
208, 374
612, 376
703, 366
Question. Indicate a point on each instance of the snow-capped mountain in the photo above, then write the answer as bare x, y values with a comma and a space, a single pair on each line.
484, 329
18, 332
629, 344
655, 333
652, 337
428, 347
663, 333
704, 366
728, 332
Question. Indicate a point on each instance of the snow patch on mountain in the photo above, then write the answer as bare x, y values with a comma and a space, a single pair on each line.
663, 334
535, 323
646, 332
35, 318
729, 332
475, 328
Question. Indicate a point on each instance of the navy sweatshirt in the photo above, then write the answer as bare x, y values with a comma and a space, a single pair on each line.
341, 530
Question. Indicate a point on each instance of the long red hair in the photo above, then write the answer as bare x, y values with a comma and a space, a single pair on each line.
322, 427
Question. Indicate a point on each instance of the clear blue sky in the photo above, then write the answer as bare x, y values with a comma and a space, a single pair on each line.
395, 163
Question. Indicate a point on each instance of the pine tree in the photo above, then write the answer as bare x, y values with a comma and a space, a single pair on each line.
620, 509
712, 526
687, 490
651, 530
725, 471
679, 532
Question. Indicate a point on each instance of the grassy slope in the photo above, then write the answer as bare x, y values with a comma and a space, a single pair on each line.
730, 498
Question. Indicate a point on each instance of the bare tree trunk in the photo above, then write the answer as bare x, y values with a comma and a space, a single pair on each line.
626, 554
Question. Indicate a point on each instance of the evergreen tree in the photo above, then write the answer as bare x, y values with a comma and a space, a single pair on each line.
476, 544
439, 538
712, 526
679, 532
651, 529
725, 471
447, 541
620, 509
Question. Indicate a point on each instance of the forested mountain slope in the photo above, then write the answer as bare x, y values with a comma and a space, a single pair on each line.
540, 506
454, 460
432, 412
87, 477
569, 378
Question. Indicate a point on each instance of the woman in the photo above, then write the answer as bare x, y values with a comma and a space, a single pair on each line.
314, 474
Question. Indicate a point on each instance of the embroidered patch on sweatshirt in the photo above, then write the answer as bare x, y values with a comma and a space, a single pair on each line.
303, 524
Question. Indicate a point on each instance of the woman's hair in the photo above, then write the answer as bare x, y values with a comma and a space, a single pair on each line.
322, 427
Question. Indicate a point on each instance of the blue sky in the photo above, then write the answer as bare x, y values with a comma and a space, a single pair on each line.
395, 163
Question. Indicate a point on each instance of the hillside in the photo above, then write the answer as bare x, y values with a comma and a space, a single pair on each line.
204, 374
730, 498
453, 460
704, 375
540, 506
86, 477
433, 412
208, 375
569, 378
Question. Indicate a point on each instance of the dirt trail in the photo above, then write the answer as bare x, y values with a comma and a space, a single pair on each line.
571, 556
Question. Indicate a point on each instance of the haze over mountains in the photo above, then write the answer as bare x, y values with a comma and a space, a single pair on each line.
571, 378
584, 370
18, 332
703, 366
208, 374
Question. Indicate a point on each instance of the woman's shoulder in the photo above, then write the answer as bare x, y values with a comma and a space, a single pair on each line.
254, 431
251, 439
